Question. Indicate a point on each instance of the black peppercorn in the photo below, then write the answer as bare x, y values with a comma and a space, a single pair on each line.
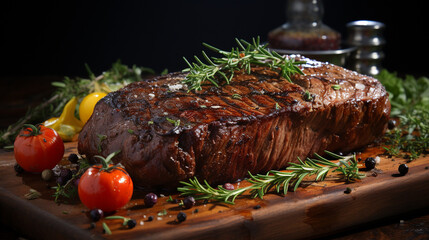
181, 216
66, 173
61, 181
131, 223
76, 182
257, 207
391, 124
348, 190
18, 168
403, 169
73, 158
188, 202
95, 214
92, 225
370, 163
150, 219
150, 199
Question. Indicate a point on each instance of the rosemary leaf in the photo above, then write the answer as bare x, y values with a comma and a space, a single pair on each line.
106, 229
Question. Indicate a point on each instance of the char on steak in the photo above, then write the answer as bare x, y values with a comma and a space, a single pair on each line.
257, 123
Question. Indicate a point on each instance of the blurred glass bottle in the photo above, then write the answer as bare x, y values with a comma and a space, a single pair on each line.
304, 29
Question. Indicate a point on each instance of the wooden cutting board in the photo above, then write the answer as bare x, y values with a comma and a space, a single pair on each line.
316, 209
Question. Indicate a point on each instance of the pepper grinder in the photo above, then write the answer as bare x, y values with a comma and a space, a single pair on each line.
367, 36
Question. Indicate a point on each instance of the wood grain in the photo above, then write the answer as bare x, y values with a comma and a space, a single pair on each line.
314, 210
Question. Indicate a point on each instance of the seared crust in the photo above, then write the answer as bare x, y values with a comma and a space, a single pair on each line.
257, 123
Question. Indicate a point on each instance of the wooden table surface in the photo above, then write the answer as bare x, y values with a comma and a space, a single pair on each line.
395, 221
313, 211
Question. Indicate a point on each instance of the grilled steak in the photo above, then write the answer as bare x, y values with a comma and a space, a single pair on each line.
257, 123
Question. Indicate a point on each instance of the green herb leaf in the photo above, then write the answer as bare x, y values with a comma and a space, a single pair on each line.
106, 229
236, 96
336, 87
32, 194
163, 212
176, 123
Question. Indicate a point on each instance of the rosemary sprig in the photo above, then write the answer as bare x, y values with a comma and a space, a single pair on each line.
281, 181
242, 57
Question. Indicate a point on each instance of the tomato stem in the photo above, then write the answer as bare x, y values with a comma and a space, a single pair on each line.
33, 131
106, 161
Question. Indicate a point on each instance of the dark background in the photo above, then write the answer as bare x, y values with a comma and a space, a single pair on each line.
45, 38
43, 41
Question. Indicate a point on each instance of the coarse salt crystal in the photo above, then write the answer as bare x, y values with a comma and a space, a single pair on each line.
360, 86
377, 160
175, 87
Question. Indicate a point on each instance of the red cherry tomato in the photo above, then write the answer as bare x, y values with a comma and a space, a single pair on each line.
38, 148
107, 190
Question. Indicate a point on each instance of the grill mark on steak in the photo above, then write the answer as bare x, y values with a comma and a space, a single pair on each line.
220, 138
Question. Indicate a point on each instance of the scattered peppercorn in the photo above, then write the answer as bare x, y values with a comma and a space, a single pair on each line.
188, 202
66, 173
150, 199
403, 169
47, 175
76, 182
228, 186
131, 223
73, 158
92, 225
18, 168
181, 216
348, 190
150, 219
61, 181
196, 210
257, 207
391, 124
95, 214
370, 163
